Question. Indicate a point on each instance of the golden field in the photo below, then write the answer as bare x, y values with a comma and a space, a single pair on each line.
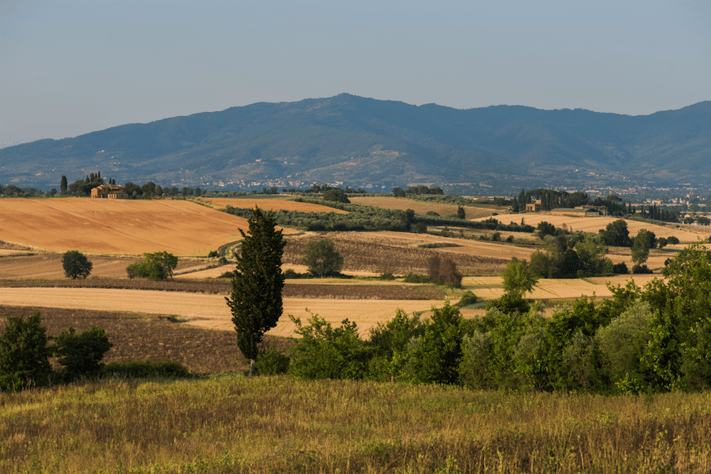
117, 226
421, 207
268, 205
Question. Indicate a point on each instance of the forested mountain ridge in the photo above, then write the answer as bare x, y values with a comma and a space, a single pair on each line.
372, 143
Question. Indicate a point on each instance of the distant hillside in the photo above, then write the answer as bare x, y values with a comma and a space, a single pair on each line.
380, 144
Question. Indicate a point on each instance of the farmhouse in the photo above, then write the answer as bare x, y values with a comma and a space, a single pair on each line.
580, 211
533, 206
109, 191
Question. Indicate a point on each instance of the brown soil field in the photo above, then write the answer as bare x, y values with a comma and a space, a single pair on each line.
210, 311
594, 224
421, 207
137, 336
268, 205
109, 226
399, 252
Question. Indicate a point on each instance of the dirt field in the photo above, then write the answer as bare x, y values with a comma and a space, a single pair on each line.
594, 224
420, 207
209, 311
117, 226
400, 252
269, 205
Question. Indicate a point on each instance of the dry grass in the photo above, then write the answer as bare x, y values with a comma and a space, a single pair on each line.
117, 226
286, 425
421, 207
268, 205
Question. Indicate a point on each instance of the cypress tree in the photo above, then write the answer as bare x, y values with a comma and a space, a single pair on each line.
63, 185
256, 300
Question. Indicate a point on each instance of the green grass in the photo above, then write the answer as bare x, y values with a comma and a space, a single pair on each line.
282, 424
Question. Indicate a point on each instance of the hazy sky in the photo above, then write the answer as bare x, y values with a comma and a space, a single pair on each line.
69, 67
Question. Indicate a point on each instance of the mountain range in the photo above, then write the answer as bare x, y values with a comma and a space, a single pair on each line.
378, 144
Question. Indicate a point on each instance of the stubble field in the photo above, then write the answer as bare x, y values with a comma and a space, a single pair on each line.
268, 205
109, 226
421, 207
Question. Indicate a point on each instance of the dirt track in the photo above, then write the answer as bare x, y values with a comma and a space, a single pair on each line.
209, 311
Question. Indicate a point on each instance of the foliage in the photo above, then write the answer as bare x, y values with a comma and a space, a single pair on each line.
443, 271
518, 278
256, 301
336, 195
24, 353
76, 265
155, 266
468, 298
271, 362
415, 278
80, 354
325, 352
644, 241
544, 228
146, 369
616, 234
322, 258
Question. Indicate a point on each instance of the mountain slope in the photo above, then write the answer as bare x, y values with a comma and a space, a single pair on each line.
373, 143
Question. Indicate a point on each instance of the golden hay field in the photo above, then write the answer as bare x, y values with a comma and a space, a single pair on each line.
268, 205
117, 226
210, 311
594, 224
420, 207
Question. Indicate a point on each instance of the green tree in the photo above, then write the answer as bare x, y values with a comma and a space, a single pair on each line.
63, 185
518, 278
256, 301
336, 195
398, 192
640, 246
545, 228
24, 353
76, 265
155, 266
461, 213
616, 234
322, 258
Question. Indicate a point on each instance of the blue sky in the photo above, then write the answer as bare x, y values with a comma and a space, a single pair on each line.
69, 67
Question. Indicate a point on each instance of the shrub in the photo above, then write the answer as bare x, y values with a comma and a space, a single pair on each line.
443, 271
322, 258
155, 266
76, 265
467, 299
415, 278
336, 195
24, 353
641, 269
271, 362
620, 268
496, 237
146, 369
80, 354
510, 239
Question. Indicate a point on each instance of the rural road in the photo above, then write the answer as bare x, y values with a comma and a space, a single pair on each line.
210, 311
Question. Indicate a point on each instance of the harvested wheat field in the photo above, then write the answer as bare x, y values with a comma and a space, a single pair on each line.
210, 311
269, 205
595, 224
399, 253
111, 226
489, 288
421, 207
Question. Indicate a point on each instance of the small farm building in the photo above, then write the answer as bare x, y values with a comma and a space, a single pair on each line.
109, 191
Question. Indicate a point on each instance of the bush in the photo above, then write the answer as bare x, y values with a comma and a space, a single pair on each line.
271, 362
155, 266
322, 258
443, 271
336, 195
620, 269
146, 369
76, 265
468, 298
415, 278
24, 353
80, 354
641, 269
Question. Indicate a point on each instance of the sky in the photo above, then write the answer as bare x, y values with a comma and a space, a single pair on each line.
69, 67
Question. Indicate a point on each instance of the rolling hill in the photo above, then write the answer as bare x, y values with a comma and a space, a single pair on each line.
378, 144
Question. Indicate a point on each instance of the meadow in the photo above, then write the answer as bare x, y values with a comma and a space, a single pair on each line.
279, 424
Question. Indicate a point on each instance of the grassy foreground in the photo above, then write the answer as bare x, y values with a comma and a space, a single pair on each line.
283, 424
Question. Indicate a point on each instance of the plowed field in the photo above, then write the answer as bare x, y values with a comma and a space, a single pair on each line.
269, 205
117, 226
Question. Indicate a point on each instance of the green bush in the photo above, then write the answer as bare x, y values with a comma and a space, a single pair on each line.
146, 369
415, 278
271, 362
80, 355
155, 266
467, 299
323, 352
24, 353
76, 265
322, 258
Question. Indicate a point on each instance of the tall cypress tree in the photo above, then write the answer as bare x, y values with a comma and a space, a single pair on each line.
256, 301
63, 185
